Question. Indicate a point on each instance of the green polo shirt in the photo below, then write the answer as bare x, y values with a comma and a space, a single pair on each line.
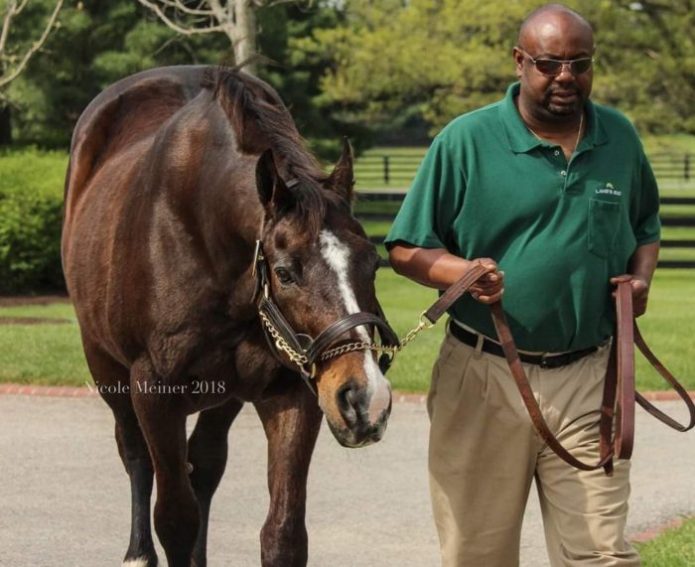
489, 188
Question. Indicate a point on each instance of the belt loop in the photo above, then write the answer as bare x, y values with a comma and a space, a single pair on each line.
479, 345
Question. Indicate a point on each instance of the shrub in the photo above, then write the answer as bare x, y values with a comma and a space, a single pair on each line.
30, 221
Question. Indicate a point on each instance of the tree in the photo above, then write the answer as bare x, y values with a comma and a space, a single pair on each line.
101, 42
234, 18
397, 60
394, 61
15, 55
646, 62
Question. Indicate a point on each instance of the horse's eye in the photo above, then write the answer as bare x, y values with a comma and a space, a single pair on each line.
284, 276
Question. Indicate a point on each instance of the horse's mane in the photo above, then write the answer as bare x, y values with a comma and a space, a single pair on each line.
261, 121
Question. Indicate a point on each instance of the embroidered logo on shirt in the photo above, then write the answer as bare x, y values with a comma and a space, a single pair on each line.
608, 189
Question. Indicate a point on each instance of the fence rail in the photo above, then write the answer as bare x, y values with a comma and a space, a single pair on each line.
398, 170
391, 198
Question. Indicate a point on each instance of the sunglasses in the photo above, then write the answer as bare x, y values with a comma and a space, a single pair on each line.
553, 67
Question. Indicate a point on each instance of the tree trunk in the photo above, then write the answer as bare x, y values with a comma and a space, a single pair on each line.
245, 47
5, 125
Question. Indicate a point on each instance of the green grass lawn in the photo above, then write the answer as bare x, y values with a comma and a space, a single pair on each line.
52, 354
673, 548
49, 354
51, 311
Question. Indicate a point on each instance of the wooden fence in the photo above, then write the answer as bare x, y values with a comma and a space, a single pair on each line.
398, 170
382, 206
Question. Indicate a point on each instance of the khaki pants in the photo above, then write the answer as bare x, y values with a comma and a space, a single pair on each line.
484, 453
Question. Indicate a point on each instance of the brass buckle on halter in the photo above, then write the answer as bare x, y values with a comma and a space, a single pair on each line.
312, 371
257, 257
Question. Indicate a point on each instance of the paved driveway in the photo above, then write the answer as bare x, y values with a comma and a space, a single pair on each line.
64, 497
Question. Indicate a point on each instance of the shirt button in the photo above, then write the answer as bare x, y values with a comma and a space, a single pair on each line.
557, 152
563, 173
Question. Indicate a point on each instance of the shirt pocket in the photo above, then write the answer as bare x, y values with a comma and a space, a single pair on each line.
604, 219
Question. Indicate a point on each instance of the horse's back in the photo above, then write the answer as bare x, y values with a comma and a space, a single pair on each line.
123, 115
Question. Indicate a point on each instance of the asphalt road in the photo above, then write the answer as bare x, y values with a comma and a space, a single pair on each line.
64, 497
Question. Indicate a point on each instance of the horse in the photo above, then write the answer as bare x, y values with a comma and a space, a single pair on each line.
212, 262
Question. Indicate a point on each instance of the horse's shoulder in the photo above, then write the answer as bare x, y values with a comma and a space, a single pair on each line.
126, 112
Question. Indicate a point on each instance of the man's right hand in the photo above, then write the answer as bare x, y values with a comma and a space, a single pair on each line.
489, 288
439, 268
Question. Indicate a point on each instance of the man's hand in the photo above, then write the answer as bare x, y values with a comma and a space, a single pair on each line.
640, 291
489, 288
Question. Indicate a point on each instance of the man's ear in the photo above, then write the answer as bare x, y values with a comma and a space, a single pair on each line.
518, 61
273, 193
341, 179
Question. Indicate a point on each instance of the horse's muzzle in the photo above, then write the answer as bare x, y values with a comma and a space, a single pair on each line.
365, 415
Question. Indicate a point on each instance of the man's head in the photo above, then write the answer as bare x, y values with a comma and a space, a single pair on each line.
554, 32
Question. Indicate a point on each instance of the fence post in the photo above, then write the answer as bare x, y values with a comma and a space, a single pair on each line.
387, 175
686, 167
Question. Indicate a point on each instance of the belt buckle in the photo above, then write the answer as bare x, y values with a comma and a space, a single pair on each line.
550, 361
544, 361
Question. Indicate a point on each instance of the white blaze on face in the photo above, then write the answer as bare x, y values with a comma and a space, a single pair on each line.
337, 256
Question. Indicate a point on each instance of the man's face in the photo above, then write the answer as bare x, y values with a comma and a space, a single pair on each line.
554, 36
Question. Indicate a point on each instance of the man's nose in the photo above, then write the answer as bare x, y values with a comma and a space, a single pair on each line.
565, 73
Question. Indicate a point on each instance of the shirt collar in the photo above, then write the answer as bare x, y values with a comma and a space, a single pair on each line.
520, 138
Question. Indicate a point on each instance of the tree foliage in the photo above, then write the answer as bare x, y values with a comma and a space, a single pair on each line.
236, 19
435, 59
358, 66
13, 55
18, 44
101, 42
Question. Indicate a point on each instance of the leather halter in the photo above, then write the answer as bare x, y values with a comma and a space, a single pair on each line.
619, 394
308, 350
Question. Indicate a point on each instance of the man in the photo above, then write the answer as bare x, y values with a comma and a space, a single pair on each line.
556, 194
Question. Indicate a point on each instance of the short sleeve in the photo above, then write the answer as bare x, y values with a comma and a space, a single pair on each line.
426, 216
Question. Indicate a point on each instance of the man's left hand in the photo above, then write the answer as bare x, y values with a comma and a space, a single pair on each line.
640, 291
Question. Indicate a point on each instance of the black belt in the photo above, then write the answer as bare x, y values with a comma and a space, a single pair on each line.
542, 360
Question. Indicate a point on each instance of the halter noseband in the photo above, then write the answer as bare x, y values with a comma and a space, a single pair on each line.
303, 350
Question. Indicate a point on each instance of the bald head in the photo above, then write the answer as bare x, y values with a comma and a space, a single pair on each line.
548, 21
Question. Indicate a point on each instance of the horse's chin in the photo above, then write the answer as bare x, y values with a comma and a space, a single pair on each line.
362, 437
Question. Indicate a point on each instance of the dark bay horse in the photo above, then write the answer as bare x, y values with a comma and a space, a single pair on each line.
174, 175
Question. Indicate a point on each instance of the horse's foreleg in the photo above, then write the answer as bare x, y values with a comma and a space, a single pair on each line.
162, 418
207, 453
113, 380
291, 420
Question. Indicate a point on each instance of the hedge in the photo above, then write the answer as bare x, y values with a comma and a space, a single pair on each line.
31, 202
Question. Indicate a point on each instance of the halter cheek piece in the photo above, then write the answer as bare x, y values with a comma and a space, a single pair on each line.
303, 350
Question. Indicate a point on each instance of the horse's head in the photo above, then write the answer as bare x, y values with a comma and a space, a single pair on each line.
321, 269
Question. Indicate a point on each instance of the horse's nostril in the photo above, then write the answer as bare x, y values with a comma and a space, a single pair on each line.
347, 400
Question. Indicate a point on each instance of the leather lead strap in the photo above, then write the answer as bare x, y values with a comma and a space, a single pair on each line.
505, 337
619, 394
625, 409
456, 290
661, 369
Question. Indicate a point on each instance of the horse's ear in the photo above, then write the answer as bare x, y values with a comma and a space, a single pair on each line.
272, 191
341, 179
